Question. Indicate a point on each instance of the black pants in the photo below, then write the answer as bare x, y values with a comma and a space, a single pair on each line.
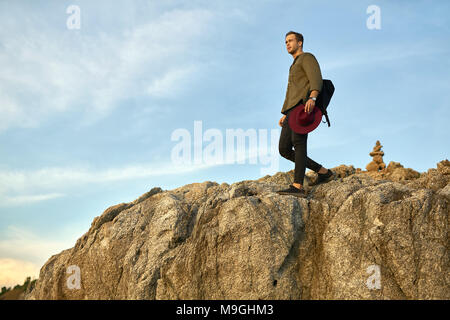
289, 139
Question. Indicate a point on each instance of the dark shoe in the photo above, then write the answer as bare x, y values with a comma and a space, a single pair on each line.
293, 191
325, 177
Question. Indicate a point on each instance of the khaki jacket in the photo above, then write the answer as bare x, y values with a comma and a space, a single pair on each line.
304, 77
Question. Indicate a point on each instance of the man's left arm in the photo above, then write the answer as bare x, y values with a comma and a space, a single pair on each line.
312, 70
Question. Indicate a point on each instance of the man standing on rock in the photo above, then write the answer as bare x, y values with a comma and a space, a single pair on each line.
304, 85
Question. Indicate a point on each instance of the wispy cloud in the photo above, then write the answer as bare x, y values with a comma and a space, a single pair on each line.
14, 271
27, 199
23, 252
25, 245
19, 187
46, 72
171, 82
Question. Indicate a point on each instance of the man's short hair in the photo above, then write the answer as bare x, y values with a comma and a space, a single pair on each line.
298, 36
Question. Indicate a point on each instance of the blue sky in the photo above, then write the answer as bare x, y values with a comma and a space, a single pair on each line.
87, 115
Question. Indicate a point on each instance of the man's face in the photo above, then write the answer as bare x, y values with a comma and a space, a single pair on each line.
291, 43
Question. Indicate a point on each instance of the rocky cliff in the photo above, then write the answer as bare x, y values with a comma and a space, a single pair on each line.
364, 235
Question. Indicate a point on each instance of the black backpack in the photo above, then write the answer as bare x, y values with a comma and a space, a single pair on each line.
324, 97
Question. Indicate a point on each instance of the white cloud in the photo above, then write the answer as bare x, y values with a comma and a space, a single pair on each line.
23, 245
170, 82
18, 187
24, 186
13, 272
46, 70
28, 199
23, 252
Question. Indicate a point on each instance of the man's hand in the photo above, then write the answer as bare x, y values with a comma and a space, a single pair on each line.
309, 106
281, 120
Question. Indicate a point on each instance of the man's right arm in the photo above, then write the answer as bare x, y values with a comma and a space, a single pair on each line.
312, 70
